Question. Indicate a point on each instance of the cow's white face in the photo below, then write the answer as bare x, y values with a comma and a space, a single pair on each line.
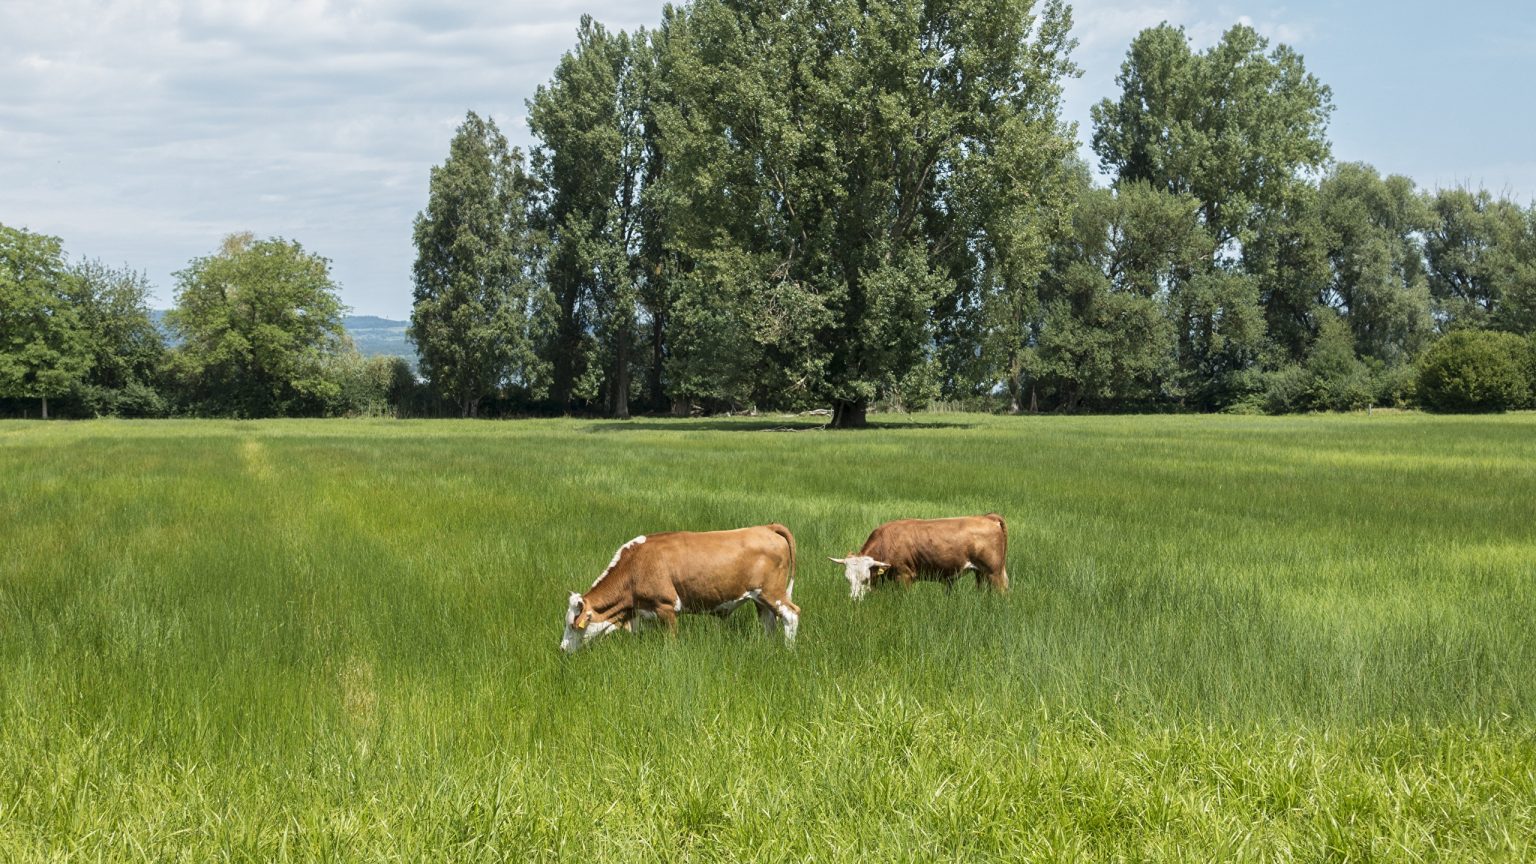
860, 571
579, 626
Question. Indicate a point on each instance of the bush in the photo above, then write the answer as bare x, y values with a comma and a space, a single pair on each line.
1475, 370
1394, 386
368, 386
1530, 368
1285, 391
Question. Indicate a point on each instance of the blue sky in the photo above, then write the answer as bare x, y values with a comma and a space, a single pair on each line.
142, 131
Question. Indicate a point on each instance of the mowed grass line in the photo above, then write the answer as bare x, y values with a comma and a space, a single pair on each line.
1229, 638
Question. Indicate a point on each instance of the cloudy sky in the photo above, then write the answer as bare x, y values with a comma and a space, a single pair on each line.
142, 131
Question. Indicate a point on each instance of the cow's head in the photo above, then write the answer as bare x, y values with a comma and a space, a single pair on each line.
580, 628
861, 571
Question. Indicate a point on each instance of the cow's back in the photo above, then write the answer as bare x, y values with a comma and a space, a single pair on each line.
705, 569
938, 546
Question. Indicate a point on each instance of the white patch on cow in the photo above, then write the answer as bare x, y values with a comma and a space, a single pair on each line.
968, 565
856, 570
790, 591
572, 638
790, 619
615, 562
677, 605
730, 605
597, 629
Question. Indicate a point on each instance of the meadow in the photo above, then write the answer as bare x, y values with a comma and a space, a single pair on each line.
1229, 638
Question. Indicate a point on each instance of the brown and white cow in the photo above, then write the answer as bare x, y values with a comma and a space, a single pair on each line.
656, 577
939, 550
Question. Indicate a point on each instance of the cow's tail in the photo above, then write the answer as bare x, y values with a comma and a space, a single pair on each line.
790, 539
1003, 526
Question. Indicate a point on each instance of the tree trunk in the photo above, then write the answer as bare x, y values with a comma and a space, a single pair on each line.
680, 406
620, 395
658, 399
45, 407
850, 414
1034, 404
567, 341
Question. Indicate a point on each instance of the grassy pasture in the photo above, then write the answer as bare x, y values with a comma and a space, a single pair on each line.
1268, 639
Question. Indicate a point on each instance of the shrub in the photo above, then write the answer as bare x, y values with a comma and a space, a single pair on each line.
1286, 390
368, 386
1475, 370
1530, 368
1394, 386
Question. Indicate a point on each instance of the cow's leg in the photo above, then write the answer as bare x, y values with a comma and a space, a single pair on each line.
666, 615
789, 613
995, 574
766, 615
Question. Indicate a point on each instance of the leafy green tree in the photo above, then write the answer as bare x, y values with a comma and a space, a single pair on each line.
1231, 126
44, 352
1236, 129
1481, 252
127, 349
1377, 278
1288, 256
1106, 338
1024, 211
1220, 333
258, 322
833, 158
1518, 312
1338, 380
1475, 370
475, 320
661, 257
368, 386
1352, 245
590, 167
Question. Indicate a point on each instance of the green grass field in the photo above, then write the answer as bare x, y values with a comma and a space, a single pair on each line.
1268, 639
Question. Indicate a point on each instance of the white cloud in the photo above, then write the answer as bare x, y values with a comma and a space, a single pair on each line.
141, 132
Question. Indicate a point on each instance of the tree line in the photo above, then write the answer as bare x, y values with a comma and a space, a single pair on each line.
256, 332
794, 204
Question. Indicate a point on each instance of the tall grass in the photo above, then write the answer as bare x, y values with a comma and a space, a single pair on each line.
1303, 638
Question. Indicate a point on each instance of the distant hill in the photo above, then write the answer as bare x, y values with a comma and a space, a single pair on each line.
373, 336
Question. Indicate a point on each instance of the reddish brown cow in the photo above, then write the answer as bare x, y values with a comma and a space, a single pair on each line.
661, 575
939, 550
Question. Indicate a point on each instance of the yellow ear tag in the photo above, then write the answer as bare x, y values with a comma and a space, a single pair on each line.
584, 620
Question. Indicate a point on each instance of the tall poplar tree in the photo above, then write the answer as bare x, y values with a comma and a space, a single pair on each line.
836, 158
1481, 253
1377, 279
1238, 130
589, 166
475, 303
